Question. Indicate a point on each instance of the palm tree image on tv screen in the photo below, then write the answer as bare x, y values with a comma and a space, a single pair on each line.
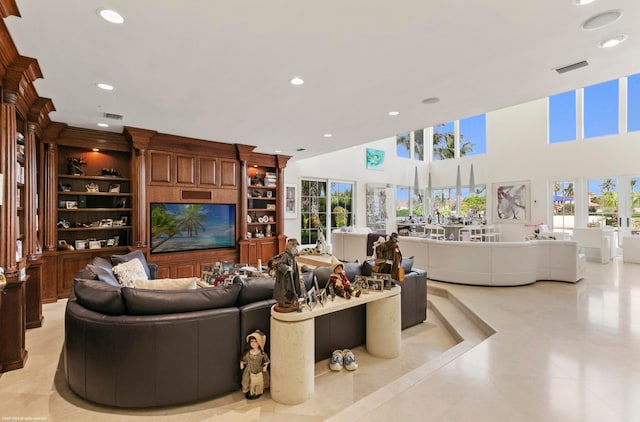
187, 227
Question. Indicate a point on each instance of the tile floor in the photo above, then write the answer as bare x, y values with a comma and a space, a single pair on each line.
544, 352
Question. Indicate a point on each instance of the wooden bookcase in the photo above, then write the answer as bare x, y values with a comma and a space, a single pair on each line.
262, 234
90, 202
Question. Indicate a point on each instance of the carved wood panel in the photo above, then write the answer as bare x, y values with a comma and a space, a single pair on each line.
186, 169
228, 173
207, 173
68, 266
159, 167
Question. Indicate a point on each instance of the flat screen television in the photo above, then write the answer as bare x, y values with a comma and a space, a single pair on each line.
188, 227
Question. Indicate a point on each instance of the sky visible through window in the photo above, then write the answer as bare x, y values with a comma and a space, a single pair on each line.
474, 129
633, 101
600, 107
562, 117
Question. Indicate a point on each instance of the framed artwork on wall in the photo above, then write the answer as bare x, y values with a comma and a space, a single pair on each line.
375, 159
290, 201
511, 202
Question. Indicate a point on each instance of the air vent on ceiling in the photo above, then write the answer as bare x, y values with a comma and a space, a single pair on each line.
569, 68
113, 116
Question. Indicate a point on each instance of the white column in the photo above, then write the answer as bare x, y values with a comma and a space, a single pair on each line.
292, 360
383, 327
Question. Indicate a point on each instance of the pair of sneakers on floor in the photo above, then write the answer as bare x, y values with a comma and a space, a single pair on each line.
340, 358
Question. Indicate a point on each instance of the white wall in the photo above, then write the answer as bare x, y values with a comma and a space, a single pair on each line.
517, 150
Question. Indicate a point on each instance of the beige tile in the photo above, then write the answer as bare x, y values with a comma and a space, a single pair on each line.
561, 352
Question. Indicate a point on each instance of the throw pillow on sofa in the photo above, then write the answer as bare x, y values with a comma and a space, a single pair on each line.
407, 264
186, 283
102, 269
128, 272
137, 254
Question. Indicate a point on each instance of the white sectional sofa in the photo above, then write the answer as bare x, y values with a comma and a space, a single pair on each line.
496, 263
479, 263
350, 245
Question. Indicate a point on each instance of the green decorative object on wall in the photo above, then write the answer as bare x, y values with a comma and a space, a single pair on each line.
375, 159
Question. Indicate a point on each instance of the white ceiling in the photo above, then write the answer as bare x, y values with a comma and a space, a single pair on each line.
220, 70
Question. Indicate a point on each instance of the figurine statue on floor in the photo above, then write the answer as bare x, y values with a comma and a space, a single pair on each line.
254, 364
389, 258
340, 282
73, 166
287, 288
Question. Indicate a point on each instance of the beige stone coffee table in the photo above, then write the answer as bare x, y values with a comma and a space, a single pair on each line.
293, 336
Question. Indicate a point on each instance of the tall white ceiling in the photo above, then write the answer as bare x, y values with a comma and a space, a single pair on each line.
220, 70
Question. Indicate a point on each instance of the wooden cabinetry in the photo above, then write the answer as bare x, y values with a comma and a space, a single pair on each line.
92, 201
94, 208
20, 197
262, 234
262, 212
93, 219
22, 115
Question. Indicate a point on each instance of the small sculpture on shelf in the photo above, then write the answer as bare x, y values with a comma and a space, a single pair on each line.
110, 172
92, 187
73, 166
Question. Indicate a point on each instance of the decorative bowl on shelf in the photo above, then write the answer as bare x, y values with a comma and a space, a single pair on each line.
92, 187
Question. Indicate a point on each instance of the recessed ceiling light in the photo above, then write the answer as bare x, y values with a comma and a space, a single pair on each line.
95, 149
104, 86
277, 151
431, 100
110, 16
613, 41
583, 2
394, 113
296, 81
328, 135
601, 20
103, 125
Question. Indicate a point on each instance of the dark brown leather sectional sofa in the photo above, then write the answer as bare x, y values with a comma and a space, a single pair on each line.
127, 347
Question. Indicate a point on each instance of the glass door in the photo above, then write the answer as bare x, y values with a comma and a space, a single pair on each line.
603, 203
629, 218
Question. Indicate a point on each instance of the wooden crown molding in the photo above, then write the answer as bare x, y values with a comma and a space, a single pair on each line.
9, 8
90, 138
244, 151
39, 114
53, 131
8, 50
139, 138
21, 72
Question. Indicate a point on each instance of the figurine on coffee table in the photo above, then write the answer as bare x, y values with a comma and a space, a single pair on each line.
254, 364
340, 282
